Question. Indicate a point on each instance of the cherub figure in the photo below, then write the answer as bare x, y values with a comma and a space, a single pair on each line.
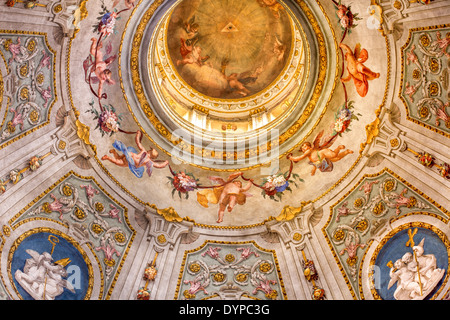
235, 83
227, 194
137, 161
191, 28
95, 63
279, 49
319, 154
356, 69
191, 54
238, 81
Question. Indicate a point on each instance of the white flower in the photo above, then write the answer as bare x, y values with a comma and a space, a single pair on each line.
338, 125
279, 181
112, 124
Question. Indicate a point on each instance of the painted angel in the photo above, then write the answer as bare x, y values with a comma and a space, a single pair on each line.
238, 81
357, 70
191, 54
137, 161
320, 155
191, 28
96, 66
227, 194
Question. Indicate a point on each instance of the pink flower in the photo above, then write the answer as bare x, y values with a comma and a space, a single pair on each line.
108, 121
183, 182
212, 252
346, 22
342, 11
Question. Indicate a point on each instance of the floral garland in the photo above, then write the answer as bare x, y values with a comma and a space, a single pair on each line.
272, 186
108, 121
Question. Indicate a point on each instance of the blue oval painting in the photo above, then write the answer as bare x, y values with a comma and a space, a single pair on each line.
395, 279
46, 266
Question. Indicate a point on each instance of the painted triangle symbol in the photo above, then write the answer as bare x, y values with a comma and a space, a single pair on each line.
230, 28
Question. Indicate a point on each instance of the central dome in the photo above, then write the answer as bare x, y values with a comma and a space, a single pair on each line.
227, 66
220, 83
229, 49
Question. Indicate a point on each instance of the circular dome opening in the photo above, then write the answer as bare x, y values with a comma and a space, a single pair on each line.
214, 73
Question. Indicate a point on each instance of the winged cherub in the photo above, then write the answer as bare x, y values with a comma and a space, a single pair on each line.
357, 70
137, 161
97, 64
320, 155
238, 81
227, 194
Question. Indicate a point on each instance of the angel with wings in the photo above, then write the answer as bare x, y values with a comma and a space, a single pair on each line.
357, 70
319, 153
96, 66
239, 81
227, 194
137, 161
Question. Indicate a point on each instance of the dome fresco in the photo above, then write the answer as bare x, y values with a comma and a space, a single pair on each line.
256, 139
229, 49
164, 124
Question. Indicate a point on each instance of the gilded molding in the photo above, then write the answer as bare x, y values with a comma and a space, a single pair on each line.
139, 92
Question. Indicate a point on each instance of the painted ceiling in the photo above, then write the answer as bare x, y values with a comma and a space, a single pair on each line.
225, 90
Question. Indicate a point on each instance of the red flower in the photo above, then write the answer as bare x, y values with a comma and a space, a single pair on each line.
183, 182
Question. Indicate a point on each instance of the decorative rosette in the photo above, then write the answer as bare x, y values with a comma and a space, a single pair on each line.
143, 294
